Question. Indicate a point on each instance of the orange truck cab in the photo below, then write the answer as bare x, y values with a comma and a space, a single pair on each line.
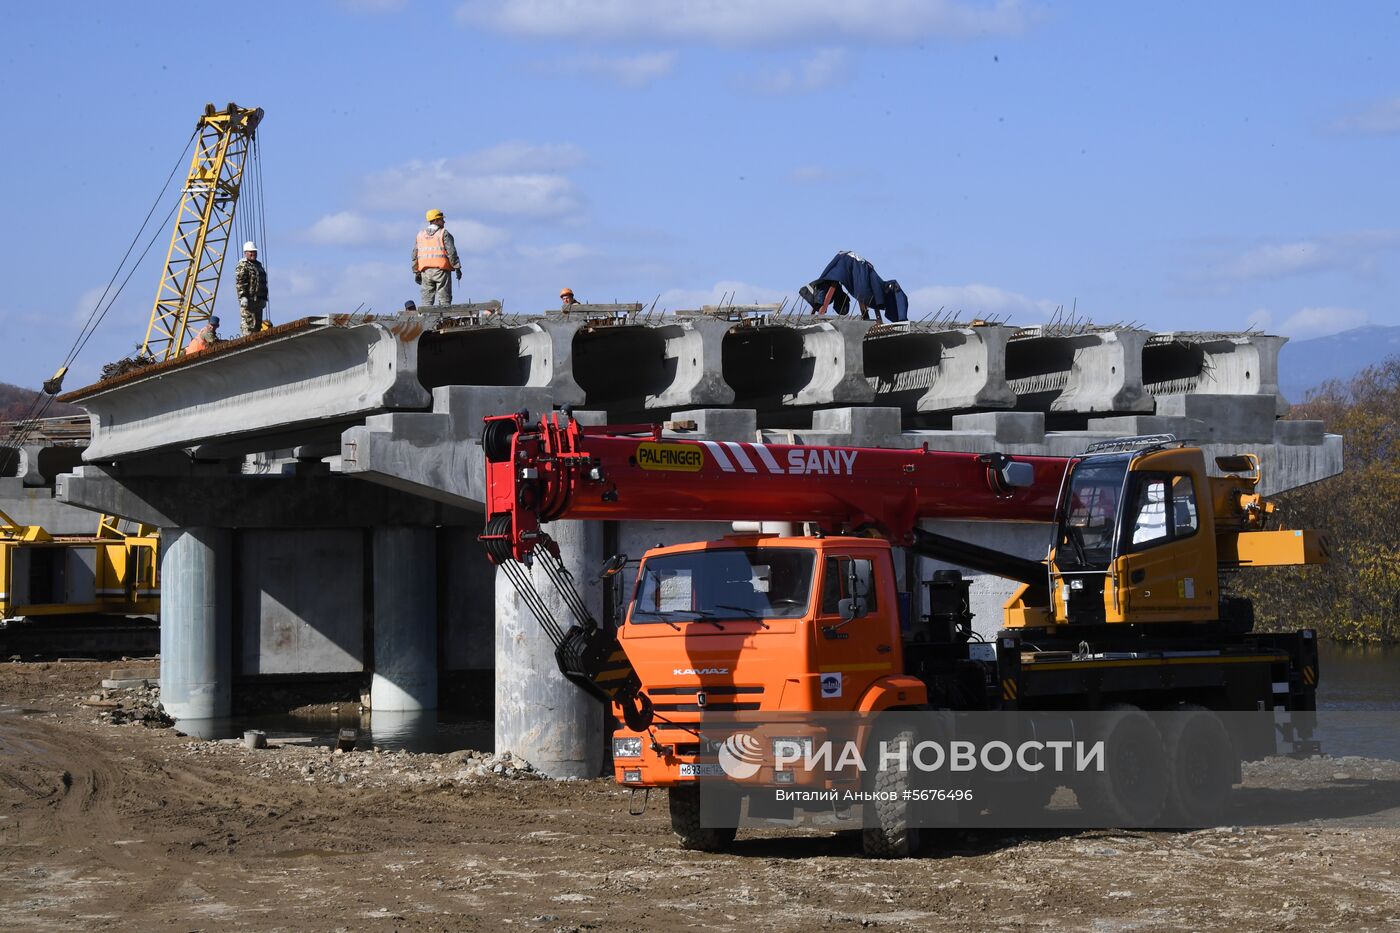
755, 625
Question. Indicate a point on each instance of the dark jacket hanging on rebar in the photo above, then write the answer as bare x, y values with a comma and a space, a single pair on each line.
858, 278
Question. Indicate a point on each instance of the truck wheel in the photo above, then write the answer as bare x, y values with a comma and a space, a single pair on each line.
888, 831
1131, 791
1201, 763
685, 821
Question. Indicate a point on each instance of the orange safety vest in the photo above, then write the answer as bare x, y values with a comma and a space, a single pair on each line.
197, 345
431, 254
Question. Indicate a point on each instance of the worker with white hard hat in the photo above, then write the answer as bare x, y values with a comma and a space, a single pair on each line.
434, 261
250, 280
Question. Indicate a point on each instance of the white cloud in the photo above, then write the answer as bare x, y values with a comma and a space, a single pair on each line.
349, 228
514, 179
1276, 261
1356, 252
725, 292
745, 22
823, 69
1380, 119
556, 254
304, 290
634, 71
977, 300
1308, 322
86, 302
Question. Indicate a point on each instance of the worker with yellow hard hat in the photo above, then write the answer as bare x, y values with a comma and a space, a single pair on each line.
566, 298
434, 261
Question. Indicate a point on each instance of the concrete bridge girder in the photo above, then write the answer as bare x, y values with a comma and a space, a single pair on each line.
1214, 364
922, 369
322, 378
300, 379
1084, 372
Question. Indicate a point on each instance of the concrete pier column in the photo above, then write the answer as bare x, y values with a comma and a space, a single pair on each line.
196, 623
405, 619
540, 715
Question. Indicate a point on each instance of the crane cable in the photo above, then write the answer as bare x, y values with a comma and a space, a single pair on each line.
44, 397
250, 223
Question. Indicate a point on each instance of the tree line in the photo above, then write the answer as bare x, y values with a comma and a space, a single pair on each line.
1356, 596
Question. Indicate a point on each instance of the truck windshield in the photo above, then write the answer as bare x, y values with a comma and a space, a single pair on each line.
1090, 515
733, 583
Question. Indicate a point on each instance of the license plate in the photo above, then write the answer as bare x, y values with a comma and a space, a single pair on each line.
701, 771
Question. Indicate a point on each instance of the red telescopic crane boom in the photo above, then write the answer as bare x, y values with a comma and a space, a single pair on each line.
557, 468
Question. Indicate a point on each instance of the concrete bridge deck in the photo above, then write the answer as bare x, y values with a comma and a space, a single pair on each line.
320, 484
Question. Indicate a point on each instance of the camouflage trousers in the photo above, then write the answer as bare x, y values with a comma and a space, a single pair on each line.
252, 318
437, 287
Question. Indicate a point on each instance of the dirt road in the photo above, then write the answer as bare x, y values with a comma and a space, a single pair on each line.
124, 827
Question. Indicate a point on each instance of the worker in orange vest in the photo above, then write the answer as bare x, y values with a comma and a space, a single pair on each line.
208, 336
434, 261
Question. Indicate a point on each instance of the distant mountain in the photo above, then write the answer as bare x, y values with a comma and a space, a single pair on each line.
1303, 364
17, 403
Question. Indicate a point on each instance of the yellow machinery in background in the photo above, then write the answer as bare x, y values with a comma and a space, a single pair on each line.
46, 575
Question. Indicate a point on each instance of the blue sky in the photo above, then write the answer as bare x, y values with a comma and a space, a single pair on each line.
1183, 166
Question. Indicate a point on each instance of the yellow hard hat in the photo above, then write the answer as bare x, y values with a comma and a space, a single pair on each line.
434, 214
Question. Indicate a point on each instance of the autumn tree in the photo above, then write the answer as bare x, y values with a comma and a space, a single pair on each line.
1356, 597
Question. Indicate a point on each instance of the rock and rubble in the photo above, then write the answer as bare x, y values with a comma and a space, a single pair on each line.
138, 704
116, 827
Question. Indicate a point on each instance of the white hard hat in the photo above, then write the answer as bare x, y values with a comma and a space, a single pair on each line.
250, 246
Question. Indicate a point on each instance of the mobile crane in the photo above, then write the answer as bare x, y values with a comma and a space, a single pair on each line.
1128, 611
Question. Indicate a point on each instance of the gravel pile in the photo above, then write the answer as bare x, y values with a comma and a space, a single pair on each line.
139, 705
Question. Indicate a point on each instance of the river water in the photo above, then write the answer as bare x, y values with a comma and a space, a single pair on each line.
1358, 700
1358, 678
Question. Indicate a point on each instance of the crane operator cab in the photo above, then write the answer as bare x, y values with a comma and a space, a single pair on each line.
1141, 534
1134, 539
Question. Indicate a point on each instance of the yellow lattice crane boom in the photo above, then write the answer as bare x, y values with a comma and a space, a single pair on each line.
224, 145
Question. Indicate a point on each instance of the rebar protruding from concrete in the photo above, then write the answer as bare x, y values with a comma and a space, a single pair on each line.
1214, 364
